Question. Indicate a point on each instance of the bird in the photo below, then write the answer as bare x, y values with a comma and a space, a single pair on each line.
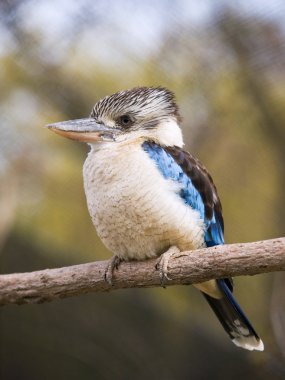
148, 197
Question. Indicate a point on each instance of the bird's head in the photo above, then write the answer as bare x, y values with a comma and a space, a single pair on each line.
141, 113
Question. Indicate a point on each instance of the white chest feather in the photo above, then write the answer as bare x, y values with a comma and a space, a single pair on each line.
137, 213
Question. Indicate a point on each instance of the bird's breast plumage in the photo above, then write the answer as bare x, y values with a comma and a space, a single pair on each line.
136, 211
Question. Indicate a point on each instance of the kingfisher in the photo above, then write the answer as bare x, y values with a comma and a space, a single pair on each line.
148, 197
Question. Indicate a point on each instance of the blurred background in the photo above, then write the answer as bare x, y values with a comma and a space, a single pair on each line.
226, 63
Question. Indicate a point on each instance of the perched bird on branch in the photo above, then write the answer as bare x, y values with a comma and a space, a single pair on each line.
148, 197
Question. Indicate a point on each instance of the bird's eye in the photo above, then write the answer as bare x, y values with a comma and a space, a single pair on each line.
125, 121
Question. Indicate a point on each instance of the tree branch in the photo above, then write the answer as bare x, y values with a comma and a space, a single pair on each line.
186, 268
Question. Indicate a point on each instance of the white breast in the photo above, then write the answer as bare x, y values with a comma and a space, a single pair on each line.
137, 213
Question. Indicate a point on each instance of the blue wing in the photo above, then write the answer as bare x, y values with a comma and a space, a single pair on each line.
199, 192
198, 189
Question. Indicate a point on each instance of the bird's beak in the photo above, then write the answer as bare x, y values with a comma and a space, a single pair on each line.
85, 130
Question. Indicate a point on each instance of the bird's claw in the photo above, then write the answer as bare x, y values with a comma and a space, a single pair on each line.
162, 274
162, 265
113, 264
164, 278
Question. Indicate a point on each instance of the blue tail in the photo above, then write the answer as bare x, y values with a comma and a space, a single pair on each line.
233, 318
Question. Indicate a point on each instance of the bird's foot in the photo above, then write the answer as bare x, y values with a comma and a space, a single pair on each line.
113, 264
162, 265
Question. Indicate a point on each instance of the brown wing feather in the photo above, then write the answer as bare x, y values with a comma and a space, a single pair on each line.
201, 179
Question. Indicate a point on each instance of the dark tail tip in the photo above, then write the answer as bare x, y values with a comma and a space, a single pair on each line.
234, 320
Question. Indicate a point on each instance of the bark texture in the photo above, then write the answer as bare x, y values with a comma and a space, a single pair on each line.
184, 268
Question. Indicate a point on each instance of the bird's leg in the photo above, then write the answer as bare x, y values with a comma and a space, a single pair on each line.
113, 264
162, 265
